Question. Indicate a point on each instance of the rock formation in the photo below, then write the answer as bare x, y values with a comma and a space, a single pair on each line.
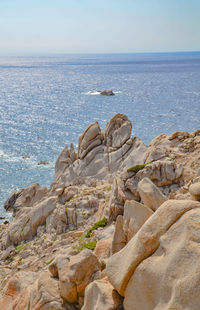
107, 92
119, 227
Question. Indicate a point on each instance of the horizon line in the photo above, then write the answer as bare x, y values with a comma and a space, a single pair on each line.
21, 54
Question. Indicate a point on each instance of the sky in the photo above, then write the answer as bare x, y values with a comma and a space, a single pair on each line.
104, 26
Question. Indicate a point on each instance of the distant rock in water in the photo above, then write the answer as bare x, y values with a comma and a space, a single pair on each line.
107, 92
25, 156
43, 162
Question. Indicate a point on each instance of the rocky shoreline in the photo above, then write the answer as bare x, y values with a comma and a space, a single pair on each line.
119, 227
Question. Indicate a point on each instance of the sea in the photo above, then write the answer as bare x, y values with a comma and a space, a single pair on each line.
46, 102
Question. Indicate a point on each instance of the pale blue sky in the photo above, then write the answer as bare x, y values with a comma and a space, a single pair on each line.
106, 26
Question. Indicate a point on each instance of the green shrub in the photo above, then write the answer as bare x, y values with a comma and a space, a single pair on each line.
101, 223
81, 238
89, 245
137, 167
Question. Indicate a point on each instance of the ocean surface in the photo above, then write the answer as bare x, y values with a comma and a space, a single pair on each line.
45, 103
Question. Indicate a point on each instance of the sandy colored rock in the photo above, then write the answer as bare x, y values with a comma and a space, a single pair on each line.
145, 242
150, 194
118, 131
29, 290
194, 190
100, 295
62, 163
44, 294
91, 138
27, 197
162, 172
103, 249
117, 156
74, 273
169, 279
135, 215
136, 155
174, 163
119, 239
25, 226
15, 287
57, 220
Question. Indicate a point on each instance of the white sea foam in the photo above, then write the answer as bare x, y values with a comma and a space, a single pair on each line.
2, 154
193, 93
10, 158
93, 93
96, 92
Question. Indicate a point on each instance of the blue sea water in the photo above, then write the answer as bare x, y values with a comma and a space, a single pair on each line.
45, 103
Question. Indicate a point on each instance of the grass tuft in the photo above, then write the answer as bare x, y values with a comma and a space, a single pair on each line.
101, 223
137, 167
50, 261
88, 245
20, 247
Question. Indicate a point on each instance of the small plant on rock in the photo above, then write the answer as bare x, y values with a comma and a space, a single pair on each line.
50, 261
20, 247
137, 168
87, 245
101, 223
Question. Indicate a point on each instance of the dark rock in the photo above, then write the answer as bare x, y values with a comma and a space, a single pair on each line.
107, 92
43, 162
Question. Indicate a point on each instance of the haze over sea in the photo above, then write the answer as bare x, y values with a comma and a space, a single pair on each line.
45, 103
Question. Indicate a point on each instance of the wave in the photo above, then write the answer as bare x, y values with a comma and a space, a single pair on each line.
9, 158
27, 161
193, 93
2, 154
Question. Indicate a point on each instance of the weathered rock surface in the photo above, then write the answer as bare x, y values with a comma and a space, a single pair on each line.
145, 242
25, 226
102, 249
25, 197
100, 295
28, 290
118, 131
65, 159
74, 273
101, 155
91, 138
150, 194
194, 190
135, 215
156, 254
169, 279
119, 239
